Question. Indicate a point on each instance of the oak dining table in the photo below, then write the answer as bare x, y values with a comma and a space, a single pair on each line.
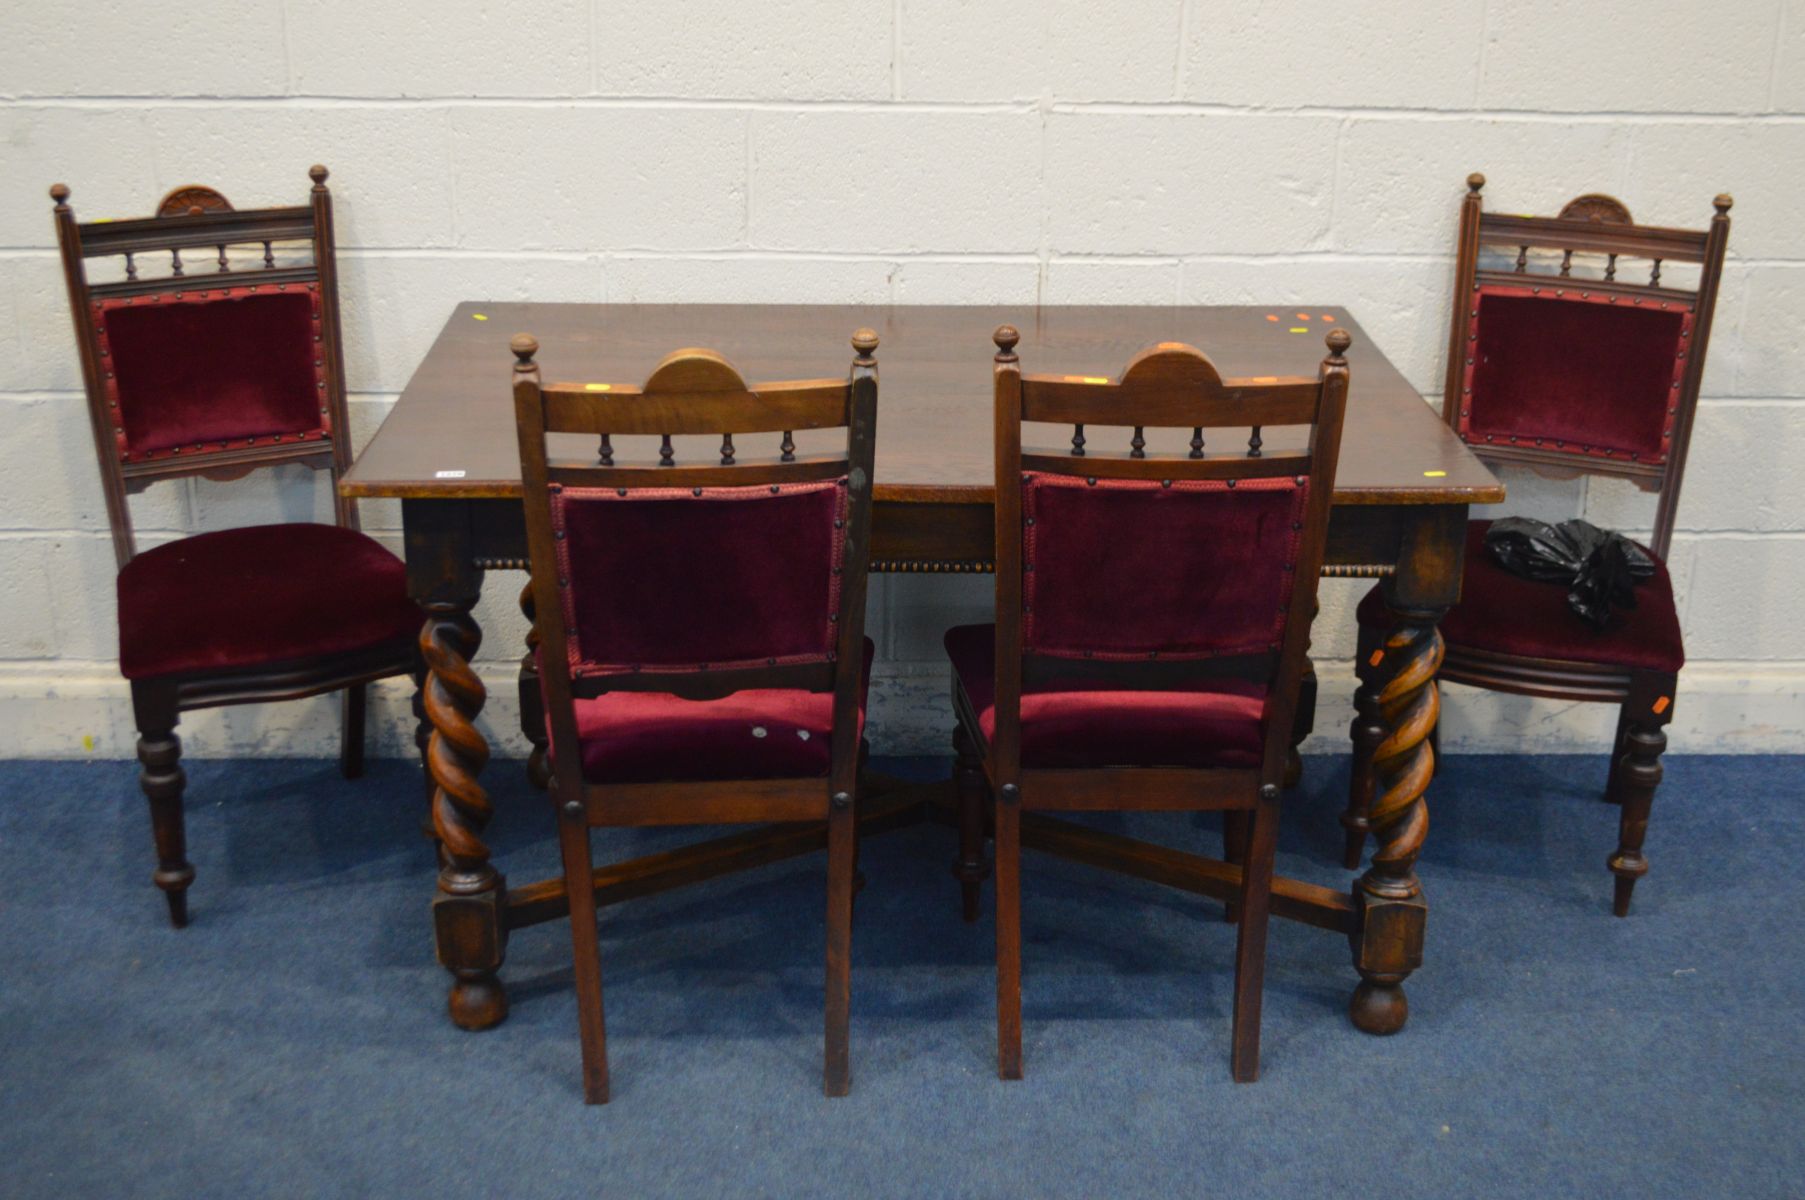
448, 451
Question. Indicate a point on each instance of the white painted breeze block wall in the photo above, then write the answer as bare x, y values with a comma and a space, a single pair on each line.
910, 151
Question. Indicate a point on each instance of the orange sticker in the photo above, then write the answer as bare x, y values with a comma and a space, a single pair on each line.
1377, 658
1264, 379
1661, 704
1303, 316
1327, 317
1272, 316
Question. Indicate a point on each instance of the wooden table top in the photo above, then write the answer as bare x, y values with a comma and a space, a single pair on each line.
451, 434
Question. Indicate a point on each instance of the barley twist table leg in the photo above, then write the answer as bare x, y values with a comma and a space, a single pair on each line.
1388, 941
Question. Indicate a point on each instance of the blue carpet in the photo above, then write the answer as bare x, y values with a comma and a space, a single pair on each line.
293, 1041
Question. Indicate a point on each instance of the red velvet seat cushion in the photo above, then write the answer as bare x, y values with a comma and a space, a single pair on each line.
208, 368
1506, 614
258, 595
760, 733
1076, 727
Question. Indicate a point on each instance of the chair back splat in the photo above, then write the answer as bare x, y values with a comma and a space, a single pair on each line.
1585, 366
214, 363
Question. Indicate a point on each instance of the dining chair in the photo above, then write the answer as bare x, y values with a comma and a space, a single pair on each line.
702, 651
1152, 615
213, 366
1585, 372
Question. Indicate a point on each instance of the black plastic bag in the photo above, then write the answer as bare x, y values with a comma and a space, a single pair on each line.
1599, 566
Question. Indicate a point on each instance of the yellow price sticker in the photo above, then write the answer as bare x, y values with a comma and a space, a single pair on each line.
598, 387
1300, 329
1087, 379
478, 317
1434, 474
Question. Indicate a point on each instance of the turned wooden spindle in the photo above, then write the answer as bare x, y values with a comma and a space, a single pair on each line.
1610, 268
1254, 442
605, 450
175, 262
726, 449
1137, 445
788, 448
269, 257
1654, 277
666, 456
1566, 262
1197, 441
1078, 441
131, 265
1522, 259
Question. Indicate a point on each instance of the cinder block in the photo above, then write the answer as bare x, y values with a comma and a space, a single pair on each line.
28, 600
690, 279
1295, 54
532, 178
152, 48
803, 50
1402, 305
1065, 50
935, 281
80, 572
1571, 56
1187, 183
1789, 69
1677, 169
1402, 178
1528, 494
274, 496
394, 306
1743, 600
1764, 347
49, 442
885, 182
469, 48
105, 155
1741, 474
390, 181
1089, 281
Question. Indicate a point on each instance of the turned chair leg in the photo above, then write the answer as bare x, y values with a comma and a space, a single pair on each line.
1366, 733
1619, 747
573, 842
1250, 946
970, 868
842, 856
1009, 932
351, 731
1235, 829
1638, 776
161, 777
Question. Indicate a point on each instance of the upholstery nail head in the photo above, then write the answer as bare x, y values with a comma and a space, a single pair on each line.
842, 800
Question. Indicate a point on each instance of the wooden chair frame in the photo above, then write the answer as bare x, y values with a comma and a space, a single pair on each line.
1170, 385
693, 392
1599, 225
193, 218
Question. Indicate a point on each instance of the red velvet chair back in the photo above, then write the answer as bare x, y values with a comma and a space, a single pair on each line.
1590, 365
214, 349
1143, 569
698, 580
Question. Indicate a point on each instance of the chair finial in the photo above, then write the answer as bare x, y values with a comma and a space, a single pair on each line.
524, 346
1006, 338
1475, 181
1338, 342
864, 341
1721, 203
318, 174
59, 192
